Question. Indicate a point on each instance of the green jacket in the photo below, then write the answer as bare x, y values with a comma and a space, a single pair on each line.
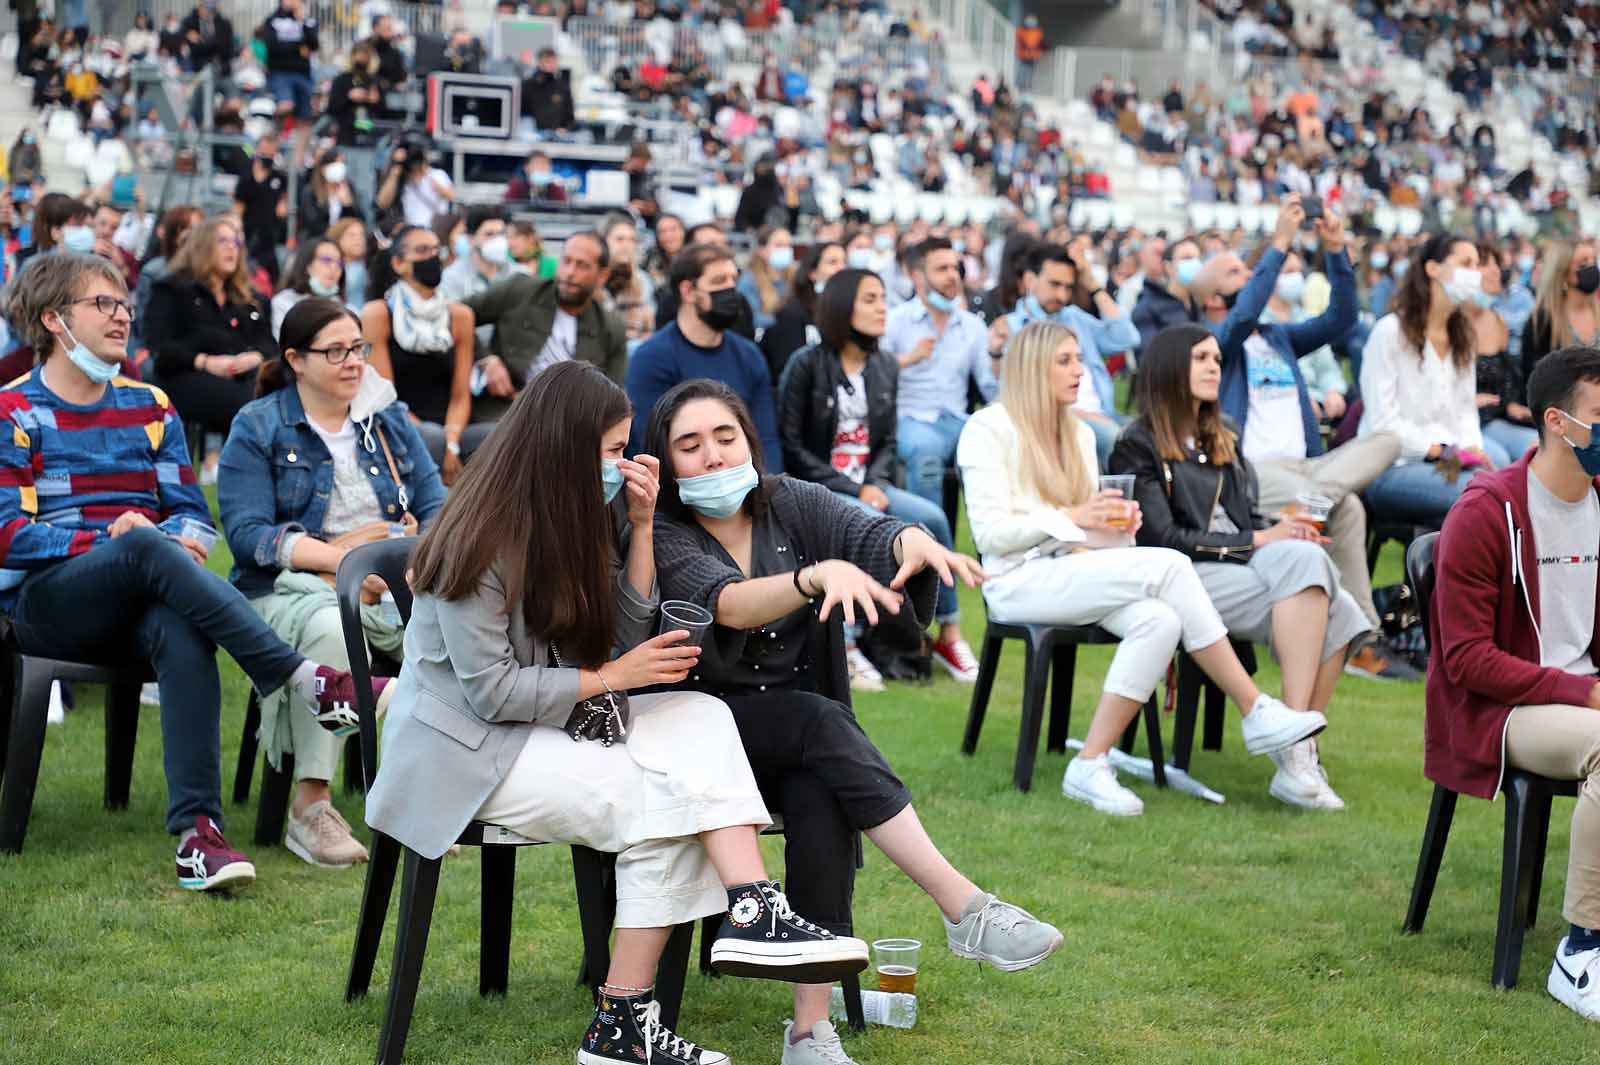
522, 310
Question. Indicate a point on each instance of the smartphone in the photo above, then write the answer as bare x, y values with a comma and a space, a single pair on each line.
122, 190
1313, 208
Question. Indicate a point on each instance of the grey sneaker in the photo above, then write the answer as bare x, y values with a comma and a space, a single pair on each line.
823, 1048
322, 837
1006, 936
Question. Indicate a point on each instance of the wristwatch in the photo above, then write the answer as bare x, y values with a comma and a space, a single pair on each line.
453, 447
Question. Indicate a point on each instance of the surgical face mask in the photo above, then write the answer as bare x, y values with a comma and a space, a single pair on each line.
859, 258
1525, 261
1380, 260
93, 366
1462, 285
1589, 454
724, 310
1589, 279
883, 242
1401, 267
461, 246
1291, 287
495, 249
940, 302
318, 288
1186, 270
610, 478
78, 239
960, 246
719, 494
781, 258
376, 392
1483, 299
333, 173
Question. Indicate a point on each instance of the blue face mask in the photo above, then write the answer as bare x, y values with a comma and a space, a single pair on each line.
78, 239
1186, 271
1589, 454
719, 494
320, 289
462, 246
93, 366
940, 302
610, 478
1035, 310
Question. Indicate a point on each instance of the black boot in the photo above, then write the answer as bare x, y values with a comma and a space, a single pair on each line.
630, 1030
763, 938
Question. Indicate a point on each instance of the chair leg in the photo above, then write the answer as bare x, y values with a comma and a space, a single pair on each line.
594, 875
1186, 709
1514, 884
24, 750
1037, 677
273, 813
1216, 716
1152, 740
988, 663
499, 882
1541, 839
708, 935
672, 973
855, 1014
122, 730
1441, 812
381, 865
417, 893
353, 784
248, 746
1065, 665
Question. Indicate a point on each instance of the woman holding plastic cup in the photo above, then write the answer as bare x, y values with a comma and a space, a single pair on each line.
1270, 583
322, 461
1054, 557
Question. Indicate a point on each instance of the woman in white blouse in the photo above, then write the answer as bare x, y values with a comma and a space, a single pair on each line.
1059, 551
1418, 381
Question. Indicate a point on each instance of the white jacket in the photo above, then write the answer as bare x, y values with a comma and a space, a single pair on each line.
1423, 401
1009, 521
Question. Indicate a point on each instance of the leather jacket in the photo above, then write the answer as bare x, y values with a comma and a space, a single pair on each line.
808, 417
1177, 498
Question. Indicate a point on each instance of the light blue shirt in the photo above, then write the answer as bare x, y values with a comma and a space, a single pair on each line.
1514, 305
1095, 335
938, 384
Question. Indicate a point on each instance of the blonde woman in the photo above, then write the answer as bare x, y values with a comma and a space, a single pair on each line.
765, 285
1058, 550
1566, 312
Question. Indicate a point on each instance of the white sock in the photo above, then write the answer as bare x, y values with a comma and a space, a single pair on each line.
186, 835
304, 682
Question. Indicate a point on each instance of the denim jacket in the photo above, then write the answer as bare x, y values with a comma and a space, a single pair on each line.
277, 476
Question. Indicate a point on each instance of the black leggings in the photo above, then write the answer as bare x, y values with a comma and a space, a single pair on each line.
817, 769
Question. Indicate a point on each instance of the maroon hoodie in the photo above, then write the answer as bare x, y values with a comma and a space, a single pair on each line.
1485, 657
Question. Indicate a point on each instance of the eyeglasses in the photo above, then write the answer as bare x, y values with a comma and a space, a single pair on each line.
107, 305
235, 241
328, 260
336, 354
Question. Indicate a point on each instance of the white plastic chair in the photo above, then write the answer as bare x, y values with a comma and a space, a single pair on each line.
1409, 221
1202, 215
1147, 179
1124, 214
930, 207
1227, 216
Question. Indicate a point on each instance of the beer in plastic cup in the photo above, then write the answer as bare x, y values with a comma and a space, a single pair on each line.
897, 961
1120, 482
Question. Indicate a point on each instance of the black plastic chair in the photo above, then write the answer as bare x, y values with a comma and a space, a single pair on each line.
24, 704
1050, 647
277, 784
388, 560
1380, 533
1527, 831
1191, 683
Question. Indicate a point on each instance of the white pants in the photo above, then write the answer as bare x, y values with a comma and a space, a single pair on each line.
681, 772
1150, 597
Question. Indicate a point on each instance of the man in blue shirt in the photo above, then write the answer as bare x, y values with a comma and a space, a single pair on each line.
698, 344
1049, 280
941, 347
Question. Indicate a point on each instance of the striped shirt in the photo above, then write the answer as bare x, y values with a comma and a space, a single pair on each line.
67, 472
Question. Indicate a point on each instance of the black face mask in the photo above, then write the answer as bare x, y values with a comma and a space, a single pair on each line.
1589, 280
428, 272
726, 303
1231, 298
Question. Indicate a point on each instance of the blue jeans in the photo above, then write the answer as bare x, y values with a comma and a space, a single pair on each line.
1514, 438
1417, 492
1105, 437
925, 449
918, 511
151, 600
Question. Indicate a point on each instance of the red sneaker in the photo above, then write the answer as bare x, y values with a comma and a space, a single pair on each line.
957, 658
207, 863
336, 700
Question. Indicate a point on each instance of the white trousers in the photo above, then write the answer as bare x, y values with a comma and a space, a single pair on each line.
681, 772
1150, 597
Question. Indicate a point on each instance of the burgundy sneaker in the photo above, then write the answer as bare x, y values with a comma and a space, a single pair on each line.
207, 863
336, 700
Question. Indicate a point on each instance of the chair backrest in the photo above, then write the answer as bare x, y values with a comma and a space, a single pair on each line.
1419, 574
387, 560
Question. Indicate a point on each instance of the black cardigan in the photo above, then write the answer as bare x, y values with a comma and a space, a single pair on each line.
184, 320
1176, 498
808, 417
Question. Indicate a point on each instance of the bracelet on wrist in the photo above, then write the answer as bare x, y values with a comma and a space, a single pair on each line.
801, 588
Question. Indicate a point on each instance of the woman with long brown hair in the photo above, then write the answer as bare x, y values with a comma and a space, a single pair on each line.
765, 283
1270, 582
1418, 380
1059, 550
207, 330
1566, 310
535, 601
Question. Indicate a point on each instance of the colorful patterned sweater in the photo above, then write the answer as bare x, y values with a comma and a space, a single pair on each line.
67, 472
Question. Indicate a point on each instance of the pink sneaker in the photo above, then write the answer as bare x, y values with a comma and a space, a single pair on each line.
956, 657
335, 709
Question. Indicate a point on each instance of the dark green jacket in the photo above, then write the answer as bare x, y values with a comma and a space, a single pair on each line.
522, 310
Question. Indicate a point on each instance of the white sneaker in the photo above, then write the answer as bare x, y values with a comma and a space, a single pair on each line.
1271, 726
1575, 981
1327, 798
957, 659
1092, 780
1297, 781
864, 676
823, 1048
150, 694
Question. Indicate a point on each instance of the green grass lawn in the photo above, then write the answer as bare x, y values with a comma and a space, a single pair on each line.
1242, 933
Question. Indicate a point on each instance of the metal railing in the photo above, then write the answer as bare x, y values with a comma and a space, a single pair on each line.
339, 22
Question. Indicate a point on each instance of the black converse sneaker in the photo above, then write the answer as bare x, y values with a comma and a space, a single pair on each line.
763, 938
630, 1030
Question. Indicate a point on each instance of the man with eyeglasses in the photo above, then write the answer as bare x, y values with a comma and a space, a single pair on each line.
104, 537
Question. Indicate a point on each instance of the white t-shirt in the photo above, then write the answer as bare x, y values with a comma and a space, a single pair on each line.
421, 200
1273, 430
561, 346
851, 441
341, 445
1568, 543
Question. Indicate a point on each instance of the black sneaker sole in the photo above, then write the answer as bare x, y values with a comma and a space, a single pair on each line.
791, 964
